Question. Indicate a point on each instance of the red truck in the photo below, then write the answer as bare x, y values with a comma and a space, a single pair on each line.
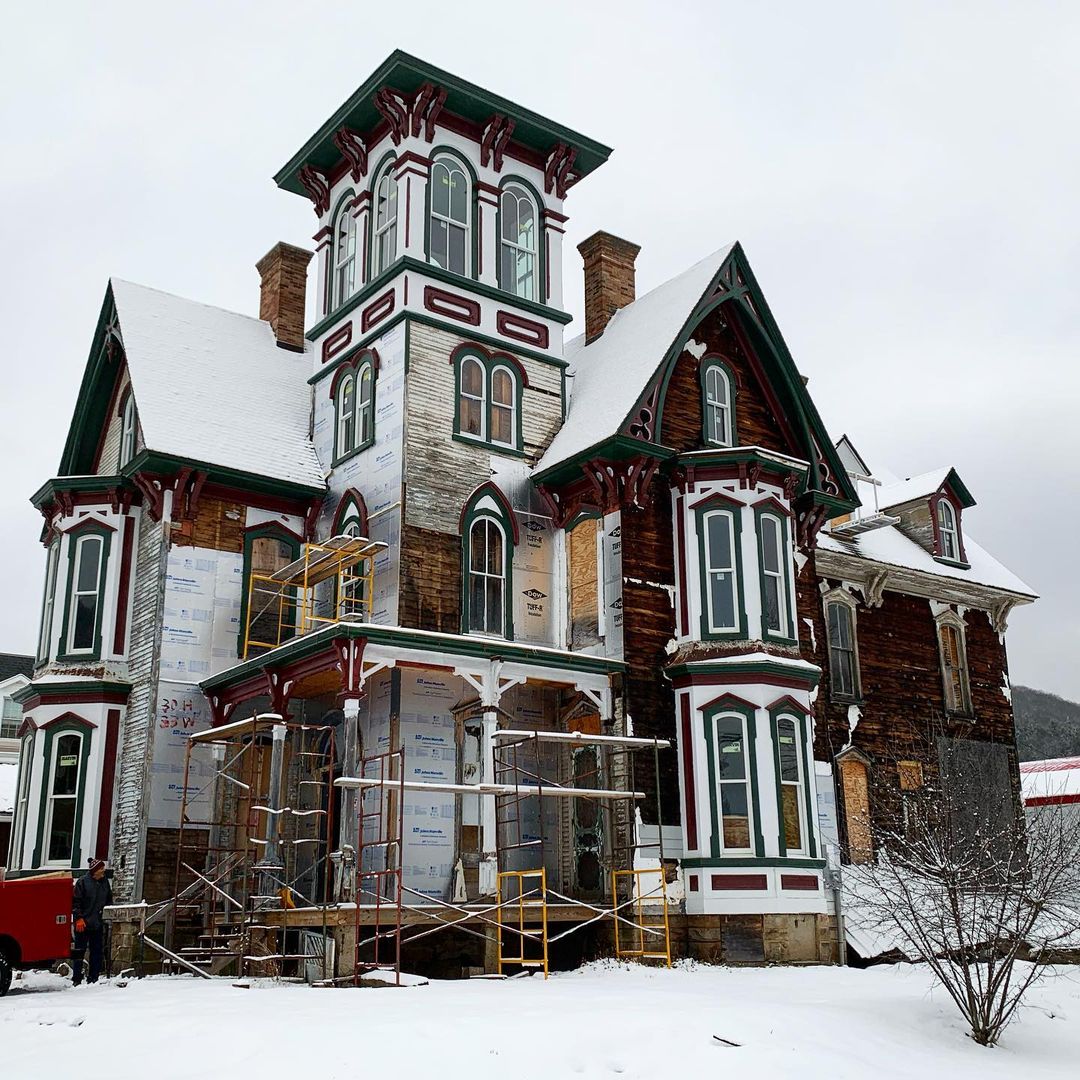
35, 922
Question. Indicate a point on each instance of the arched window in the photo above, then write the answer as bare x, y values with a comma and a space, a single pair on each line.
518, 261
954, 664
472, 397
489, 390
48, 603
354, 407
351, 516
386, 208
127, 429
62, 795
488, 534
85, 587
503, 402
948, 530
487, 576
718, 403
267, 616
721, 575
346, 416
792, 793
450, 224
344, 249
774, 613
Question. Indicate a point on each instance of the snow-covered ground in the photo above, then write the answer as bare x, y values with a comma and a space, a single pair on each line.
600, 1021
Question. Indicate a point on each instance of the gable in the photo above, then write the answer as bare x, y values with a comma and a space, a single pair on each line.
639, 351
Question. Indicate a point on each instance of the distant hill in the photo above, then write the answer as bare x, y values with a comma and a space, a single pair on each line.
1047, 726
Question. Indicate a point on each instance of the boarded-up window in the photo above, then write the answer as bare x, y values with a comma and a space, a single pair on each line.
582, 568
977, 793
853, 780
954, 669
272, 614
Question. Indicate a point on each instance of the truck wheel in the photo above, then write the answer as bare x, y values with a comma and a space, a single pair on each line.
5, 974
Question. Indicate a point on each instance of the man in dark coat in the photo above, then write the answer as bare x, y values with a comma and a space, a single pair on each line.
93, 893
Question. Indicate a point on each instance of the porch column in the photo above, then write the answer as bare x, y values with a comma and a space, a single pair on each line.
270, 864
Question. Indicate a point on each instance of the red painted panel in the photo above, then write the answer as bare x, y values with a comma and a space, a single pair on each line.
376, 311
126, 561
688, 776
451, 306
337, 342
805, 882
693, 882
739, 881
108, 775
513, 326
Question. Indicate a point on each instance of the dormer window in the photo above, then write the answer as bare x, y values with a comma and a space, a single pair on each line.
718, 402
948, 530
344, 278
450, 224
127, 428
385, 236
517, 242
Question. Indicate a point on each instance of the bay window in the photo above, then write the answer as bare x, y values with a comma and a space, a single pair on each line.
88, 553
48, 603
62, 799
718, 534
790, 763
774, 593
733, 771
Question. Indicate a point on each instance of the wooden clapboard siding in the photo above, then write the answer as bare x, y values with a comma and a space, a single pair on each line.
440, 471
218, 524
136, 747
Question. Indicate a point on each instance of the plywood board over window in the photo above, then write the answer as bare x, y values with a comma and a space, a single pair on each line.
582, 569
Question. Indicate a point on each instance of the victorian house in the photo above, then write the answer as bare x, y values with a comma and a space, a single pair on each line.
643, 531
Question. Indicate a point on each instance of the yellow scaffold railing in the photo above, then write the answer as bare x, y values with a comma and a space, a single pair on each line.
531, 924
330, 582
648, 936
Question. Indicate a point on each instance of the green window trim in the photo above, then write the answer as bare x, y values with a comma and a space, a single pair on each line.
387, 166
84, 729
801, 726
489, 363
787, 635
502, 516
354, 369
541, 254
82, 531
746, 713
708, 363
713, 504
17, 841
274, 531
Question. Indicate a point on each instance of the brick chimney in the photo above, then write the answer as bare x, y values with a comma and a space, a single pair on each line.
283, 270
609, 279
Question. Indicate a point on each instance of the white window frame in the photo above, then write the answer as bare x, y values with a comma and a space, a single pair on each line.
844, 599
48, 604
799, 784
365, 404
463, 393
345, 416
711, 569
127, 429
385, 250
451, 165
22, 801
724, 437
343, 278
511, 407
517, 249
76, 592
487, 520
948, 531
965, 706
746, 782
51, 799
780, 576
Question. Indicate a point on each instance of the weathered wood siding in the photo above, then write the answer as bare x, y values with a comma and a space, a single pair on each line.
430, 580
218, 524
137, 741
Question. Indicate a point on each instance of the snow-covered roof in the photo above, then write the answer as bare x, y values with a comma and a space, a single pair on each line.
1055, 780
611, 372
9, 771
213, 386
914, 487
890, 546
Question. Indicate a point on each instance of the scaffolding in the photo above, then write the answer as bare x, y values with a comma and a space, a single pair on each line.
330, 582
268, 851
519, 919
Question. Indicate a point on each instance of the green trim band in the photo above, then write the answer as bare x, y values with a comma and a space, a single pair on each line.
153, 462
77, 484
88, 686
750, 667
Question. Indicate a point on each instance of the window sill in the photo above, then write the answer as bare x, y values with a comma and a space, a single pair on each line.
483, 444
957, 563
352, 453
846, 699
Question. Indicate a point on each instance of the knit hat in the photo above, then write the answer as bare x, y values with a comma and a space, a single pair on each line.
96, 865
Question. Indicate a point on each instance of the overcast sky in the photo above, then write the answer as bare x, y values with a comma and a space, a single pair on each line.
904, 178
